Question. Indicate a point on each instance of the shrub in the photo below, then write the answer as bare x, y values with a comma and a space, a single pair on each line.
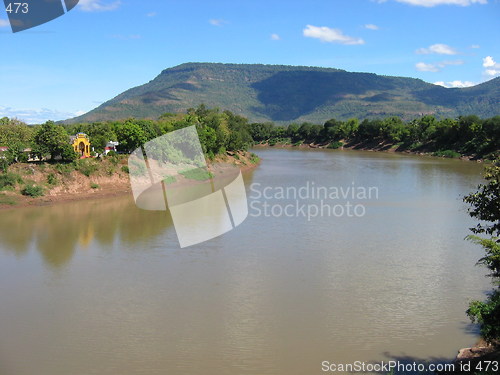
254, 159
4, 164
52, 179
32, 191
113, 157
335, 144
9, 180
65, 169
447, 154
86, 166
94, 186
125, 169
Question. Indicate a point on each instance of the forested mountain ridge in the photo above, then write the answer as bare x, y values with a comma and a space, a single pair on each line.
285, 94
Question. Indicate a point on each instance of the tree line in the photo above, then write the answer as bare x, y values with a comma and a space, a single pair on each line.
465, 135
218, 131
221, 131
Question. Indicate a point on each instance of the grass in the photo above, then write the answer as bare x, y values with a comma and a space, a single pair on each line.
86, 166
169, 180
110, 170
5, 199
65, 169
94, 186
198, 174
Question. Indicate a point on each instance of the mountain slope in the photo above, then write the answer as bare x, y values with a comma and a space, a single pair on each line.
283, 93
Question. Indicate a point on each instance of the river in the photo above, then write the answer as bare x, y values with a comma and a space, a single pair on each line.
102, 287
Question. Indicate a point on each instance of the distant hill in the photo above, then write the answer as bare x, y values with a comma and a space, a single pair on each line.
287, 94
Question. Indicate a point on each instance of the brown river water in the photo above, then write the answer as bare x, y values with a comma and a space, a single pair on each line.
102, 287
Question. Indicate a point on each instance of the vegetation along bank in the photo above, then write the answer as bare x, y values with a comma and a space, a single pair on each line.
43, 163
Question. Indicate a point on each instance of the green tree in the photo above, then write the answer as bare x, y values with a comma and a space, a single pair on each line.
485, 206
17, 136
52, 139
130, 135
99, 134
15, 152
293, 132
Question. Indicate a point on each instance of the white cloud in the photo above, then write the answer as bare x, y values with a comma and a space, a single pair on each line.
37, 116
275, 37
216, 22
493, 68
371, 26
424, 67
455, 84
326, 34
475, 46
488, 61
492, 72
98, 5
440, 49
151, 14
4, 23
433, 3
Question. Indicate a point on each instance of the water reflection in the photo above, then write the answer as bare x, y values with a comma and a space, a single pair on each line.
57, 231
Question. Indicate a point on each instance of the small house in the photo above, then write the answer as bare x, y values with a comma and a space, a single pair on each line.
110, 146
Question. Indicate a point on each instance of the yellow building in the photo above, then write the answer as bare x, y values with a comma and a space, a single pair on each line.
81, 145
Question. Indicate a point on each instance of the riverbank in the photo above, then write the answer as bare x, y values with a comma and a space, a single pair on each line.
375, 146
40, 184
476, 360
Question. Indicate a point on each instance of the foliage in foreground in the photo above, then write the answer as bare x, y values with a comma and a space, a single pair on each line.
485, 206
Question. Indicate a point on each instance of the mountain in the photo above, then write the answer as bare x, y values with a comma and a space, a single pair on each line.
287, 94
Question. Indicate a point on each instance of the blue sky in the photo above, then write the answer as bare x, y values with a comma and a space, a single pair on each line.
103, 47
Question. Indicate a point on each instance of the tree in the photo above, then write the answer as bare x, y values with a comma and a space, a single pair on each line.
332, 130
52, 139
485, 206
239, 137
130, 136
14, 131
261, 131
293, 132
15, 152
485, 203
99, 134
